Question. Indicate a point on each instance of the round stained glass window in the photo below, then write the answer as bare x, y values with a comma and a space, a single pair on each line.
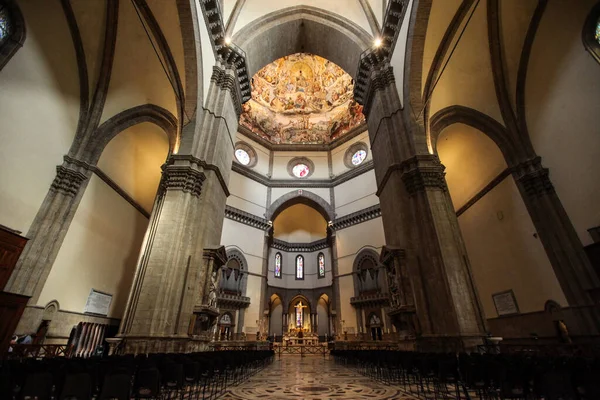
300, 170
242, 156
359, 157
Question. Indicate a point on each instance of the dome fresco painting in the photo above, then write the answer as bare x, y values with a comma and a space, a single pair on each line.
301, 99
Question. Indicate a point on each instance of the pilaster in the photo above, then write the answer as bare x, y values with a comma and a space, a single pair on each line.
49, 229
575, 274
427, 256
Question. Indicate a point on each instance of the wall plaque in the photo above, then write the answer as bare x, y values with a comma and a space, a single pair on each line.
98, 303
506, 303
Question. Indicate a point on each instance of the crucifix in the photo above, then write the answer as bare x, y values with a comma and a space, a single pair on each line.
299, 316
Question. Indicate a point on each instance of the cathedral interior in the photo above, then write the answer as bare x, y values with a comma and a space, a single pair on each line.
400, 192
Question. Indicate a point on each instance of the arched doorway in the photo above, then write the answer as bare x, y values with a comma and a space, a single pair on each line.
225, 326
375, 327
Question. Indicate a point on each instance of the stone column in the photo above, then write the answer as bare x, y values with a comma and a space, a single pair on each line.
419, 219
572, 267
49, 229
171, 274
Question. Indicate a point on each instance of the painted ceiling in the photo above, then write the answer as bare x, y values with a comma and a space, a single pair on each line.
301, 99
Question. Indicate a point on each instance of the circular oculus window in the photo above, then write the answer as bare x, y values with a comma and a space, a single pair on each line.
301, 170
358, 157
242, 156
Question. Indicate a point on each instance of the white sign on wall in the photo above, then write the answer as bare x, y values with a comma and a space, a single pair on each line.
98, 303
505, 303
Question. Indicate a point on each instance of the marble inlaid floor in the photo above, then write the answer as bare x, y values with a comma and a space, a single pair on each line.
311, 378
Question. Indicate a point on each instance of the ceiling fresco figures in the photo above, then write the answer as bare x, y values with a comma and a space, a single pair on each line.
301, 99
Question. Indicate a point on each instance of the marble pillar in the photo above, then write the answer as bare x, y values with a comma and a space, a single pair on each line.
49, 229
172, 272
419, 219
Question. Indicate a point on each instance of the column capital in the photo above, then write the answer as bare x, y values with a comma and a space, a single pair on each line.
533, 177
183, 178
68, 181
423, 172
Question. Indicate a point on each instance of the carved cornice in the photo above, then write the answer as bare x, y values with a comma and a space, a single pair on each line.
228, 54
300, 247
357, 217
379, 299
183, 178
202, 164
67, 181
298, 183
346, 221
227, 82
232, 301
245, 218
533, 177
374, 58
420, 173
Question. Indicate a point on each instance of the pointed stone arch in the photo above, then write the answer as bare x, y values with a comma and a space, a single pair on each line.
300, 197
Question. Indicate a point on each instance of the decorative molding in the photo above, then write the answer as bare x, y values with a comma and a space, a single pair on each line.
418, 178
300, 247
373, 58
308, 183
378, 299
357, 130
183, 178
67, 181
493, 183
227, 82
357, 217
346, 221
246, 218
203, 164
533, 177
232, 301
229, 54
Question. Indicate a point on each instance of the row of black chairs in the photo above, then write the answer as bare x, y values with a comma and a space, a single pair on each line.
204, 375
479, 376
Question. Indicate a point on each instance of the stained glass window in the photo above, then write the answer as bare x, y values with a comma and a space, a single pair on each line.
242, 156
299, 267
321, 265
278, 265
299, 315
359, 157
300, 170
5, 24
597, 34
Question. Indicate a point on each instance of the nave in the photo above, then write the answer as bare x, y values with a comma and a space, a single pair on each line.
312, 377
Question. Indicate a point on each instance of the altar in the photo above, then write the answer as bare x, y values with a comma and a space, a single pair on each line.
299, 337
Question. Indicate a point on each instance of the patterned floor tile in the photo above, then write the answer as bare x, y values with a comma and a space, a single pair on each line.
311, 378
